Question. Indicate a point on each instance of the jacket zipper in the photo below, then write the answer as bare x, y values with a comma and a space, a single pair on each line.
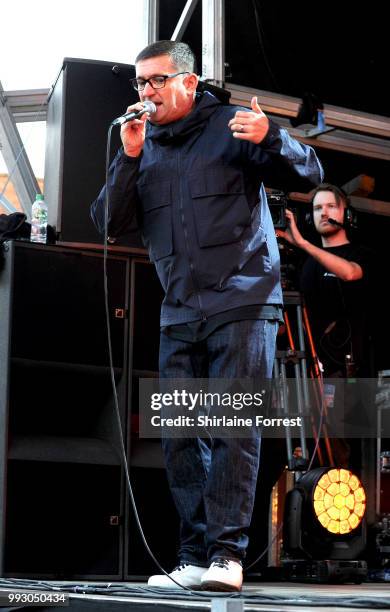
185, 232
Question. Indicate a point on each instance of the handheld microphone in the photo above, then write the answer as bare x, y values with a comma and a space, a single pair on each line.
148, 107
334, 222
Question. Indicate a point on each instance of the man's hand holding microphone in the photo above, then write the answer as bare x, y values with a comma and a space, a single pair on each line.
133, 126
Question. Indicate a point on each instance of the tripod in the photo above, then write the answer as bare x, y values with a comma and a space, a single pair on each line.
293, 358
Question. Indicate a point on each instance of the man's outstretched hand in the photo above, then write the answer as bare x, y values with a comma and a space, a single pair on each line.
250, 125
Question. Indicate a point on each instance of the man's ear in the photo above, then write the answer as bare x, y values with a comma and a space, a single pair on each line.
192, 80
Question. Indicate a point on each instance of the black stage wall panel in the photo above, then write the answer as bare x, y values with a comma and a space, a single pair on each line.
64, 509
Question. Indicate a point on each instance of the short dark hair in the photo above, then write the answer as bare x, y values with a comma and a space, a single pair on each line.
181, 54
340, 195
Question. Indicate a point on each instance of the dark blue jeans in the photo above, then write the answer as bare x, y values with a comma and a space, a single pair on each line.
213, 482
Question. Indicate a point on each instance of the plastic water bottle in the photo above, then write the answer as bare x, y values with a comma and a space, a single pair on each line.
39, 220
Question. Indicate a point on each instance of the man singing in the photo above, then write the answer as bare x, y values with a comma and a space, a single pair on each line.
193, 172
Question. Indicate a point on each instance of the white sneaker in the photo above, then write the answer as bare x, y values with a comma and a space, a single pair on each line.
223, 575
185, 574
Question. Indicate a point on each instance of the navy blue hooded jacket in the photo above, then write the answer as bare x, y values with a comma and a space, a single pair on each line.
202, 209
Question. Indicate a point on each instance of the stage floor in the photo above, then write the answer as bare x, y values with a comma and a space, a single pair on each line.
281, 596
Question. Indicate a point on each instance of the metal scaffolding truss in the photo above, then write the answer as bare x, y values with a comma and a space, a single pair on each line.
27, 105
15, 157
352, 131
356, 133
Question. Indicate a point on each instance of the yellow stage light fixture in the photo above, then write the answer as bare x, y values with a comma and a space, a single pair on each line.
339, 501
324, 516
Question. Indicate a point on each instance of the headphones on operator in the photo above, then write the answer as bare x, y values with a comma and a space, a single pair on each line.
349, 219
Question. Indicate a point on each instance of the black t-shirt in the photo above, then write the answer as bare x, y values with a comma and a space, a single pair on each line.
338, 310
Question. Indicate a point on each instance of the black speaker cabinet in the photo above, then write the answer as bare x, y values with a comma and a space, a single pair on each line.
85, 98
62, 485
159, 520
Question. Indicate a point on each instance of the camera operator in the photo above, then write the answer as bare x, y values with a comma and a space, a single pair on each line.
334, 281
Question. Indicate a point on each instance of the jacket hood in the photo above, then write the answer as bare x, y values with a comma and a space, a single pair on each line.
205, 105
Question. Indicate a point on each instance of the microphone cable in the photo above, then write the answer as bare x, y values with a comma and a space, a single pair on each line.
112, 375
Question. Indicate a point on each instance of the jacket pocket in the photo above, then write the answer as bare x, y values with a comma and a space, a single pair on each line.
156, 219
221, 209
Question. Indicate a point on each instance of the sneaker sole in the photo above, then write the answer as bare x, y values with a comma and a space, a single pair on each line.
174, 587
195, 587
212, 585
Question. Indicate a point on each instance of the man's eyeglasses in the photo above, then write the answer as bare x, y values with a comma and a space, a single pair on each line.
156, 82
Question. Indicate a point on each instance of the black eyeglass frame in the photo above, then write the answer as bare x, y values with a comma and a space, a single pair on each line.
135, 82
